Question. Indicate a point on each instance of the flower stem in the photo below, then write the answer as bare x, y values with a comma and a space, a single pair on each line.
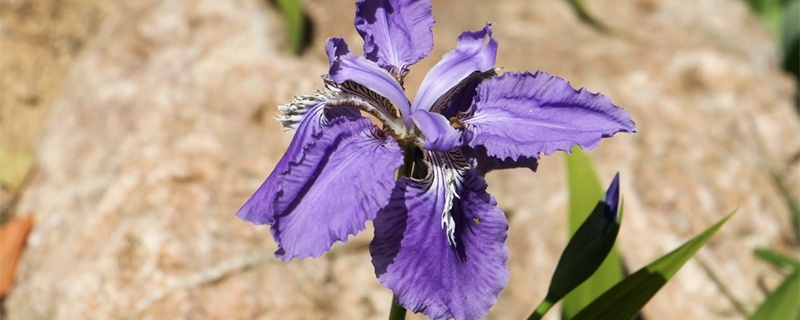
397, 312
541, 309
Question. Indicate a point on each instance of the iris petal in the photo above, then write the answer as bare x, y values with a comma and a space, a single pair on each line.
474, 52
415, 258
523, 114
259, 209
439, 135
486, 163
397, 33
323, 198
364, 73
318, 192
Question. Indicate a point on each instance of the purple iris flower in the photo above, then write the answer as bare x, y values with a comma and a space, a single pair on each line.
439, 236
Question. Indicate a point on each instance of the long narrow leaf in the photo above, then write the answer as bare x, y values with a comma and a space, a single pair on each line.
783, 303
584, 193
586, 251
292, 11
627, 298
776, 259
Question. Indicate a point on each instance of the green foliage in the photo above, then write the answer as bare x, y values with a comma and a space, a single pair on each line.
782, 17
584, 193
292, 11
770, 12
627, 298
583, 255
776, 259
14, 167
784, 302
586, 16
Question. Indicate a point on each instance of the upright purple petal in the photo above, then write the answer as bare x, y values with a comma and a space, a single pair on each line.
414, 257
474, 52
347, 67
461, 98
339, 183
336, 47
397, 33
523, 115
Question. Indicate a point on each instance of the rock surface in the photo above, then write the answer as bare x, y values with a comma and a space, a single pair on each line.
163, 129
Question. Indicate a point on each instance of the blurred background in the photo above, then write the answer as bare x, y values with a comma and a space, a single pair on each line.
131, 131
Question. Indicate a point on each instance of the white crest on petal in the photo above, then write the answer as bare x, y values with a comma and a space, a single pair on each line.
448, 223
291, 114
447, 171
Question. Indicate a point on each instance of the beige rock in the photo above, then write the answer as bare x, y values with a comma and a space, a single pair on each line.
162, 130
38, 41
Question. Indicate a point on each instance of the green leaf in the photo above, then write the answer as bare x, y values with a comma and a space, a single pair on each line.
777, 259
292, 11
586, 16
14, 167
791, 27
770, 12
783, 303
585, 252
625, 299
584, 193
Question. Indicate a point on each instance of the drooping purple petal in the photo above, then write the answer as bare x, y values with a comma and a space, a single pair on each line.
347, 67
397, 33
438, 134
259, 208
474, 52
339, 183
523, 115
485, 163
413, 255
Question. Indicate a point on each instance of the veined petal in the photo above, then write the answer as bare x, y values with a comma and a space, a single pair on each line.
397, 33
335, 188
430, 271
460, 97
365, 78
523, 115
339, 183
306, 115
474, 52
439, 135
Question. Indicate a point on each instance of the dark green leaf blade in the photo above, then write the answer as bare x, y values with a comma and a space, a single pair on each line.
586, 250
627, 298
585, 191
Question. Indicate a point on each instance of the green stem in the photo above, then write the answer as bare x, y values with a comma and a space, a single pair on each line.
397, 312
408, 163
541, 309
